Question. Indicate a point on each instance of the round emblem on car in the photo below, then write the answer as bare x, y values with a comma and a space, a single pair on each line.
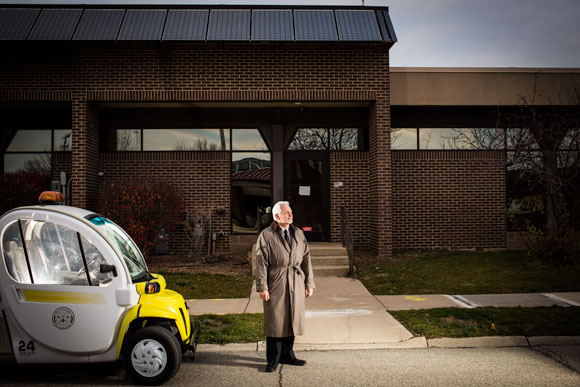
63, 318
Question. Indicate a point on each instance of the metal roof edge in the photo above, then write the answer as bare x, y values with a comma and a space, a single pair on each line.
554, 70
200, 3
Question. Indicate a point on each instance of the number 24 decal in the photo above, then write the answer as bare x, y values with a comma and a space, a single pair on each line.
23, 347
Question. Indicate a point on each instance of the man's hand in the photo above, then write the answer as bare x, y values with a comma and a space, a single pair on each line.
265, 295
309, 292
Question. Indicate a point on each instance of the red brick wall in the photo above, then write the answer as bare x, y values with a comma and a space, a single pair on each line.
448, 199
203, 178
352, 170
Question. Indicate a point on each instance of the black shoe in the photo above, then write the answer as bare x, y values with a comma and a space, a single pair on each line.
271, 367
294, 362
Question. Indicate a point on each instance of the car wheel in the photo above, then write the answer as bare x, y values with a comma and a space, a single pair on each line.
152, 355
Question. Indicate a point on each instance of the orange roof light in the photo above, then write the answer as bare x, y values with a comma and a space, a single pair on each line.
51, 197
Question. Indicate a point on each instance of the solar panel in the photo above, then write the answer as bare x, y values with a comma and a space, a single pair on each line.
99, 24
186, 24
143, 24
229, 24
315, 25
15, 23
55, 24
272, 25
357, 25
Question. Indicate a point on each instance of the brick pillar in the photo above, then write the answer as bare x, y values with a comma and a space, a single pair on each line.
85, 153
380, 184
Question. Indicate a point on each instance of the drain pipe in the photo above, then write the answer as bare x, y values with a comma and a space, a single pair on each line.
209, 239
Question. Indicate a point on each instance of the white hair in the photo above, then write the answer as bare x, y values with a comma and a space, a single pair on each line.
276, 210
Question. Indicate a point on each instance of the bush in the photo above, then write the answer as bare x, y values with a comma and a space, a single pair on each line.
560, 249
142, 209
21, 189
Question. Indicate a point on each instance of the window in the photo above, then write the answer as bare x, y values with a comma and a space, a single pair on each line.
30, 150
251, 182
51, 254
172, 140
404, 138
448, 138
461, 138
14, 254
324, 139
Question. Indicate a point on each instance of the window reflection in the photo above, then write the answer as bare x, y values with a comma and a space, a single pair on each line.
461, 138
30, 141
344, 139
524, 199
28, 163
129, 140
404, 138
62, 140
186, 139
248, 139
251, 191
309, 139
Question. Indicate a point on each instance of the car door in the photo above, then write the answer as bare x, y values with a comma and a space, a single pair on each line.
55, 296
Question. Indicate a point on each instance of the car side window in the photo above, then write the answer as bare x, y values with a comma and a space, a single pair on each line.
14, 254
94, 260
54, 254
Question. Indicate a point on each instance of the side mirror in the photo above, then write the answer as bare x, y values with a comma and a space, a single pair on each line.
108, 268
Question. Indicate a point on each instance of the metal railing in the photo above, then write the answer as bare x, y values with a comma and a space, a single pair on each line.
347, 241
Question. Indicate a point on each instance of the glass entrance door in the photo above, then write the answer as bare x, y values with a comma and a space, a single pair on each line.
307, 189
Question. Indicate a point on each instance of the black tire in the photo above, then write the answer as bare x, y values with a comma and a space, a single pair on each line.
152, 355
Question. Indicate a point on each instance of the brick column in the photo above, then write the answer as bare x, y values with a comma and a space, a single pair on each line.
85, 152
380, 184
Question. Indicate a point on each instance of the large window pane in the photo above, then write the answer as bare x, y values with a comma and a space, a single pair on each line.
248, 140
251, 191
344, 139
30, 141
404, 138
309, 139
129, 139
62, 140
186, 139
524, 195
28, 162
461, 138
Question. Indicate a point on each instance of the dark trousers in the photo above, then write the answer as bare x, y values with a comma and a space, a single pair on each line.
278, 348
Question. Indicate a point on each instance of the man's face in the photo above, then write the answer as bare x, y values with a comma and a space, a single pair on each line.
285, 216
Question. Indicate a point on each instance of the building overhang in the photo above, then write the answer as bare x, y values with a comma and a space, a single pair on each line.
420, 86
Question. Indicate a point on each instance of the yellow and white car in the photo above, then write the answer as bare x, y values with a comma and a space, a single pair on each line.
74, 288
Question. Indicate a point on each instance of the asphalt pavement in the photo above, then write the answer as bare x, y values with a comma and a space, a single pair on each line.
542, 366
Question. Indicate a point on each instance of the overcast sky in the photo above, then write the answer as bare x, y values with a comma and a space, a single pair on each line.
485, 33
454, 33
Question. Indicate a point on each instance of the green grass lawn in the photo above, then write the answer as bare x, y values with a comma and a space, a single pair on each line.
205, 285
457, 322
474, 272
231, 328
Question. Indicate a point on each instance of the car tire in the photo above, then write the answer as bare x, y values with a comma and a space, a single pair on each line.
152, 355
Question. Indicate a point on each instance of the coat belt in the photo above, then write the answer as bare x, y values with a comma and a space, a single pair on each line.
291, 270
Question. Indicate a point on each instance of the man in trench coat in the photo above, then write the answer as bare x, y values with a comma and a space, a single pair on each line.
284, 279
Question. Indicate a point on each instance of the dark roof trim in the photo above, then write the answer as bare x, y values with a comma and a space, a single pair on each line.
241, 24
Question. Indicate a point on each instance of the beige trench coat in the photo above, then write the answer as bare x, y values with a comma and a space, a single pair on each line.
286, 276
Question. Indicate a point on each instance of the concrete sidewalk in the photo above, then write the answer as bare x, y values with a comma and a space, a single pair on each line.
343, 314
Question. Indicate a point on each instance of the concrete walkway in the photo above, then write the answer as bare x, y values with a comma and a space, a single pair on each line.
343, 314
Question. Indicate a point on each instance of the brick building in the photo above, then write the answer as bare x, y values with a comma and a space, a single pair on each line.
239, 107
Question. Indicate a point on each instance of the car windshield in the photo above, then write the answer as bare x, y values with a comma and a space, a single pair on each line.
128, 249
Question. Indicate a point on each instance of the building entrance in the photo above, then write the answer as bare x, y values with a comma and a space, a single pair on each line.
306, 187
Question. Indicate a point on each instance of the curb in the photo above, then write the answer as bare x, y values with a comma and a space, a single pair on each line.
414, 343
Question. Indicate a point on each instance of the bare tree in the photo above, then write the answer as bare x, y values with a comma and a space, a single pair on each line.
543, 142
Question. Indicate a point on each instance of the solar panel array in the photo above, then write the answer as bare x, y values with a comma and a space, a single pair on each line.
267, 25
